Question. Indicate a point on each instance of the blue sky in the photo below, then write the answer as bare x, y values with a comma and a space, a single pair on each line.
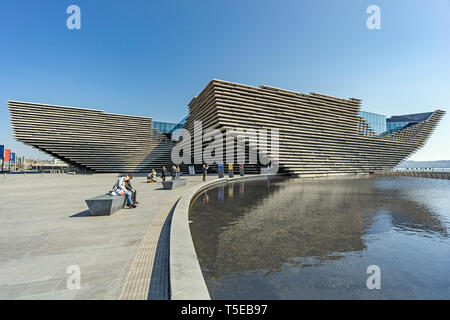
151, 57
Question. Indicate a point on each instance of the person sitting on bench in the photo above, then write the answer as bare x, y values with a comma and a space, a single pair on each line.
120, 189
133, 191
151, 176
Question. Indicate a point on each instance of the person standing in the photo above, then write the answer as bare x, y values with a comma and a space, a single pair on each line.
163, 173
178, 172
205, 171
174, 172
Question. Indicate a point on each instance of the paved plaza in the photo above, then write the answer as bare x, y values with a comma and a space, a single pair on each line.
45, 228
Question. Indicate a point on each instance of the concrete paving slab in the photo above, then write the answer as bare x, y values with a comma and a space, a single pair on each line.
45, 227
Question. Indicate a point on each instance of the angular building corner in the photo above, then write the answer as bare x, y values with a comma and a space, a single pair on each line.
91, 139
318, 134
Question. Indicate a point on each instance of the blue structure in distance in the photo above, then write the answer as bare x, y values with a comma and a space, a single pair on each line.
164, 127
396, 123
384, 126
168, 128
376, 121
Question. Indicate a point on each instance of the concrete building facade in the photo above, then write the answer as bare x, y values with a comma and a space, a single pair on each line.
318, 134
91, 139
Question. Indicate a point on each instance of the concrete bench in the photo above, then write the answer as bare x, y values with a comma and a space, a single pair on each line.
105, 205
173, 184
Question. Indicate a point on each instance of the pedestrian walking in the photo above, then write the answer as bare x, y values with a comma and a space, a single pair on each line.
163, 173
205, 171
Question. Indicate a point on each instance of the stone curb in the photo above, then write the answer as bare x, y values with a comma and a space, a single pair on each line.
186, 278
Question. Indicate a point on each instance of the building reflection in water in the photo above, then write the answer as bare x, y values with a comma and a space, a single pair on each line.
205, 197
241, 187
220, 190
277, 232
230, 190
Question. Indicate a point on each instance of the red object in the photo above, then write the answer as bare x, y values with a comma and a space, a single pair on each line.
7, 155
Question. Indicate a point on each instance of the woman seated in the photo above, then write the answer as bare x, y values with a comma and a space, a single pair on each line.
151, 176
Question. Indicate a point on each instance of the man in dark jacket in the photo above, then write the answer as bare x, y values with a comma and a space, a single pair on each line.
130, 188
163, 173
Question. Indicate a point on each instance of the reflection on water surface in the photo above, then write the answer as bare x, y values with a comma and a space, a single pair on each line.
314, 239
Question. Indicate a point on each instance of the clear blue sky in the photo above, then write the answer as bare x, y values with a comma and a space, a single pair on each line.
151, 57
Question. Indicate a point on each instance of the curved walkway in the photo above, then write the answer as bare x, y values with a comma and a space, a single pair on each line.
45, 228
186, 278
